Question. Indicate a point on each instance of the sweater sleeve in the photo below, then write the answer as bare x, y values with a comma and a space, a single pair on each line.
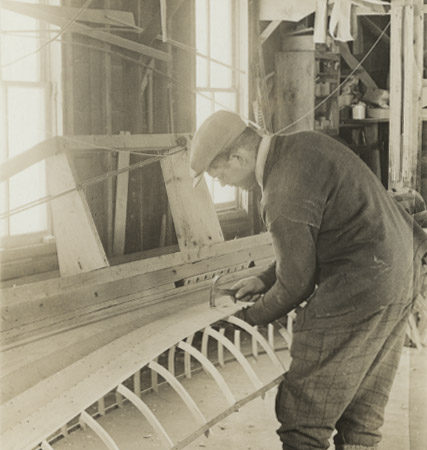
268, 276
295, 247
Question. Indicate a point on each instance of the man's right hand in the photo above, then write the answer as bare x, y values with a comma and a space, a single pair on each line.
249, 289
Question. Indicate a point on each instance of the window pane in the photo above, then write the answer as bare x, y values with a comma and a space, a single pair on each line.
225, 100
201, 26
26, 127
13, 47
221, 77
25, 187
201, 72
220, 32
26, 118
203, 107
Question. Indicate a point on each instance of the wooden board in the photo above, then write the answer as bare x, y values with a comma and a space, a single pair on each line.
195, 219
120, 211
395, 139
78, 244
37, 316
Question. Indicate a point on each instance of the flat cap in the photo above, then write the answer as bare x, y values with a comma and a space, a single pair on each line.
215, 134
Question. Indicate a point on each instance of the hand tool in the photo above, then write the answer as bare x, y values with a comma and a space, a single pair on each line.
216, 290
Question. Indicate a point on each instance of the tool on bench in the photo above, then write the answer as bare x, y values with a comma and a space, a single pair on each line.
216, 291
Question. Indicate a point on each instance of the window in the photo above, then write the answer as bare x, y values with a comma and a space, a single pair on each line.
26, 105
221, 73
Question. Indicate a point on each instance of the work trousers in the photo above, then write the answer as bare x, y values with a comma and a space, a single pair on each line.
340, 378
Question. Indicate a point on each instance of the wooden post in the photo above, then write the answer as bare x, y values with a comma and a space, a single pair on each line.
78, 244
395, 134
122, 186
193, 212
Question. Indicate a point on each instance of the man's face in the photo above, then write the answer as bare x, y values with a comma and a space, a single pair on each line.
236, 170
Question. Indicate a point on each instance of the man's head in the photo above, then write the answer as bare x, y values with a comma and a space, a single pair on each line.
225, 148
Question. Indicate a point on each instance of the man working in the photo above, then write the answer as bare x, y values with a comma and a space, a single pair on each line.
343, 245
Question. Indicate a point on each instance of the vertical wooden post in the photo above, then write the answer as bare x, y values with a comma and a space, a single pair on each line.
396, 27
120, 212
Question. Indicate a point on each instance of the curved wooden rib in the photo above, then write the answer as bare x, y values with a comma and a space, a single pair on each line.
221, 348
86, 419
260, 338
255, 342
154, 379
180, 390
270, 331
187, 358
171, 359
147, 413
237, 354
209, 367
286, 336
137, 383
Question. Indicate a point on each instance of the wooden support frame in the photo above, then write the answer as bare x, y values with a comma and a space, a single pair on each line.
40, 14
147, 413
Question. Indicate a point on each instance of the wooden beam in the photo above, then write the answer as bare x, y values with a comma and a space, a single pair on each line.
107, 292
120, 212
131, 142
77, 240
352, 62
396, 77
32, 156
412, 88
195, 219
269, 30
137, 142
112, 17
37, 13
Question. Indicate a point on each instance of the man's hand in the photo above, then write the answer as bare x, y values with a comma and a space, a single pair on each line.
249, 289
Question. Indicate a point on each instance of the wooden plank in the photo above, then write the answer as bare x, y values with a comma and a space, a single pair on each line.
352, 62
25, 320
120, 212
131, 142
77, 240
269, 30
396, 77
37, 13
29, 266
44, 289
412, 85
292, 102
42, 409
28, 252
113, 17
195, 219
29, 157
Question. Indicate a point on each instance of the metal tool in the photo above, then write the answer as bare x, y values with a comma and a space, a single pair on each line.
216, 290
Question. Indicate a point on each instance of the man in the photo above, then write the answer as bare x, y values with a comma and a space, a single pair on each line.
343, 245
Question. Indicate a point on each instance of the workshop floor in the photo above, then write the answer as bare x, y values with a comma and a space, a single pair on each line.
253, 427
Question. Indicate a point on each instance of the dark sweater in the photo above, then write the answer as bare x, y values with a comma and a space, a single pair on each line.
339, 238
